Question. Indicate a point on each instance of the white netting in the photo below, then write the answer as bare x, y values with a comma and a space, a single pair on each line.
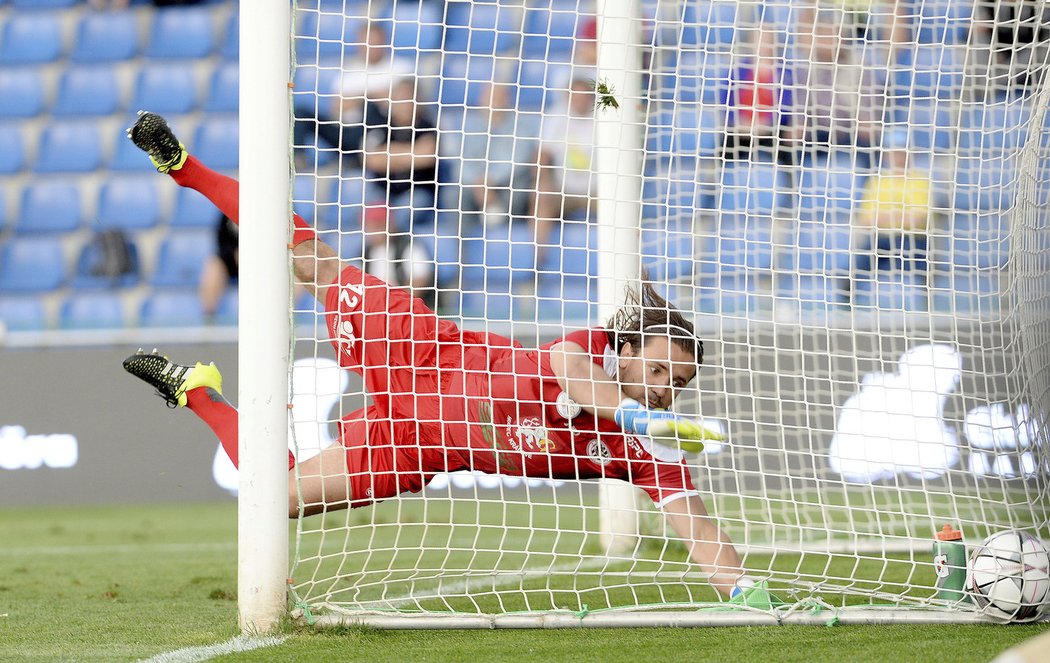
850, 200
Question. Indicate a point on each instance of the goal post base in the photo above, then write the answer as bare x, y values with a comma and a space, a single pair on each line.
715, 616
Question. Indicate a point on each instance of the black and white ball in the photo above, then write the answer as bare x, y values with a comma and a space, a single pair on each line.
1009, 576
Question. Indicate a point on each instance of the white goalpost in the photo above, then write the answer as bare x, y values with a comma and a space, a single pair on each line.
849, 202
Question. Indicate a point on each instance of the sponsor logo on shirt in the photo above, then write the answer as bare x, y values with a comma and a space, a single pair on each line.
635, 446
598, 452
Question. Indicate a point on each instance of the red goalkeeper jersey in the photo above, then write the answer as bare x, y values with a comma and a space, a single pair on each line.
454, 399
522, 423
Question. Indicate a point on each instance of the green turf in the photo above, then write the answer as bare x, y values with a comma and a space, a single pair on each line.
122, 583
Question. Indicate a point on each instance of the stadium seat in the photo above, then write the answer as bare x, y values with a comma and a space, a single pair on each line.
128, 158
21, 92
698, 76
932, 124
182, 257
32, 264
566, 300
698, 130
463, 77
181, 33
30, 37
709, 24
227, 313
230, 48
541, 84
172, 309
12, 149
216, 142
326, 37
943, 21
482, 28
193, 210
550, 32
988, 127
94, 310
985, 183
49, 206
42, 4
667, 248
109, 36
87, 90
753, 188
223, 89
829, 189
128, 202
70, 146
166, 88
22, 313
417, 30
89, 271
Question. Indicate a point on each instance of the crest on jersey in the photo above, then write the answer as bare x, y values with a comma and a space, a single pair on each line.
532, 434
598, 452
567, 407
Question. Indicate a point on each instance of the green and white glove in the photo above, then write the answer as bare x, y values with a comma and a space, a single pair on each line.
664, 427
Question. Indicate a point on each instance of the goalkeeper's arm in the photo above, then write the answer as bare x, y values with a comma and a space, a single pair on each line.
708, 545
594, 391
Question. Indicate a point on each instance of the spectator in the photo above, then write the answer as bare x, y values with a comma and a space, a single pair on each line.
833, 86
759, 124
1015, 36
892, 222
395, 257
585, 51
400, 152
366, 82
565, 182
220, 270
498, 152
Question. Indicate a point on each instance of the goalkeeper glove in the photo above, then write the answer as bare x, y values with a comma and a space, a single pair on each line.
663, 426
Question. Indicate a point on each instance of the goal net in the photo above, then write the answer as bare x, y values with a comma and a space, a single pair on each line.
848, 198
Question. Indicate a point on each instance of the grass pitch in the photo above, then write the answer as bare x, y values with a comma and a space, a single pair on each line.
130, 582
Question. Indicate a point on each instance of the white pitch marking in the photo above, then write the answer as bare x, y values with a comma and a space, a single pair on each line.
116, 549
234, 645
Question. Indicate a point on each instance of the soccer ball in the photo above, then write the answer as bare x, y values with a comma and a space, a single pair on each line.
1009, 576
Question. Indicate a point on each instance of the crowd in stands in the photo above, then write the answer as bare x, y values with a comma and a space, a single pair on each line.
827, 154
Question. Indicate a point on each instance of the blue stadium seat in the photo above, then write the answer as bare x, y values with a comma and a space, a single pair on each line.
70, 146
94, 310
829, 189
894, 292
698, 130
985, 183
504, 256
227, 313
50, 206
931, 72
128, 202
87, 90
223, 89
182, 257
128, 158
42, 4
216, 142
12, 149
667, 248
932, 124
550, 32
943, 21
709, 24
326, 37
23, 313
166, 88
172, 309
482, 28
193, 210
417, 30
753, 188
230, 48
181, 33
540, 83
566, 299
32, 264
108, 36
31, 37
987, 127
88, 273
463, 77
21, 92
698, 76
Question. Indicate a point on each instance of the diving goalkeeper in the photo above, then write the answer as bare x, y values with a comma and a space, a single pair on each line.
592, 404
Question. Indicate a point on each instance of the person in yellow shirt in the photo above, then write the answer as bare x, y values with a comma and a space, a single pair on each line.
890, 226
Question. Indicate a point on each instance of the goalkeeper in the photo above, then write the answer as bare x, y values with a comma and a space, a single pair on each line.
590, 405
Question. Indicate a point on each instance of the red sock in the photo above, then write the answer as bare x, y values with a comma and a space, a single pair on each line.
221, 417
224, 193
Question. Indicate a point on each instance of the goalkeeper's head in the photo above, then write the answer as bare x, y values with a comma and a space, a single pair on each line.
658, 352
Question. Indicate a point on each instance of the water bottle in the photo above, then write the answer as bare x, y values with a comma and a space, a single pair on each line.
949, 562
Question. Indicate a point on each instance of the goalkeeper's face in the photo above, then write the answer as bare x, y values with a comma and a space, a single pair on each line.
655, 373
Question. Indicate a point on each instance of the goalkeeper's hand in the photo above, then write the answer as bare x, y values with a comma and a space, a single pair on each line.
664, 427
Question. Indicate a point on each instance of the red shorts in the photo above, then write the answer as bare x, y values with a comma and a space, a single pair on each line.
387, 457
